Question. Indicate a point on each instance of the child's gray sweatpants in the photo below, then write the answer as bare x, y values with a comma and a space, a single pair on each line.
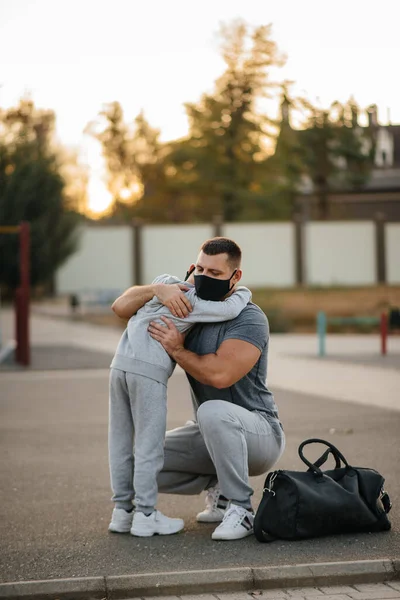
225, 439
137, 422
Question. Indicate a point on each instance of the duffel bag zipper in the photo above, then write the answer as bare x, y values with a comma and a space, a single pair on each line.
269, 489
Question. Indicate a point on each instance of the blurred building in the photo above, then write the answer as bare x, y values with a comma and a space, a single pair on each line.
379, 197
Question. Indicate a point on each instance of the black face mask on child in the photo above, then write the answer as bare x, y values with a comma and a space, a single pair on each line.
210, 288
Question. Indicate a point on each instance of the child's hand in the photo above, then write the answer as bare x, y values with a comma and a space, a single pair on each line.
173, 297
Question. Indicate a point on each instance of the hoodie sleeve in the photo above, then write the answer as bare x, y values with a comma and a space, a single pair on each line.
166, 279
209, 311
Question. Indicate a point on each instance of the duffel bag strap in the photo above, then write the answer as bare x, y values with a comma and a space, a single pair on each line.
332, 449
322, 460
261, 535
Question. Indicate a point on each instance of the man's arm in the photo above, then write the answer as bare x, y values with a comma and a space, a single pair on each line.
171, 295
132, 299
232, 361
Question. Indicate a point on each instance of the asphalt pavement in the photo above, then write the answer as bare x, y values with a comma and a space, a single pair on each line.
55, 495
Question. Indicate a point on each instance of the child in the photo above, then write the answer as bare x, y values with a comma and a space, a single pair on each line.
138, 388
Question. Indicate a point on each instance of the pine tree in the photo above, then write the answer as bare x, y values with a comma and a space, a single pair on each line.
225, 149
32, 189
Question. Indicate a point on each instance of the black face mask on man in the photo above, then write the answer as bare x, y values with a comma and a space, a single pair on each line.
210, 288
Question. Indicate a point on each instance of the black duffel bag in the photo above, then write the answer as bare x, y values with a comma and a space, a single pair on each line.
298, 505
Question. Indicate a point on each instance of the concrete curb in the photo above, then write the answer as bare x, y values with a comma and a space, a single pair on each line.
197, 582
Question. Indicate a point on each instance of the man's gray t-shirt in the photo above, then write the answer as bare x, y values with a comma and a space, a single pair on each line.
139, 353
250, 392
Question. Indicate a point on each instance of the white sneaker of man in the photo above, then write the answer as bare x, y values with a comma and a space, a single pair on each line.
237, 524
156, 523
216, 506
121, 521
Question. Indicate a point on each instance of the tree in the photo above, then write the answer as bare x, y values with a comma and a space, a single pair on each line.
224, 154
354, 146
220, 166
285, 168
330, 149
150, 195
114, 136
141, 177
336, 151
76, 178
32, 189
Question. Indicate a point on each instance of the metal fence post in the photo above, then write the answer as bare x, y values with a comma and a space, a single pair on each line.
321, 332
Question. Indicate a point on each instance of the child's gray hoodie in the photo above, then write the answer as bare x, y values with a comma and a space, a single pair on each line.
139, 353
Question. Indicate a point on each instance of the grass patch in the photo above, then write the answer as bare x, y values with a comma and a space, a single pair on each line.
295, 309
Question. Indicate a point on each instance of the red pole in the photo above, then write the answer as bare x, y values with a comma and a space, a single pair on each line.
17, 325
384, 333
24, 257
22, 298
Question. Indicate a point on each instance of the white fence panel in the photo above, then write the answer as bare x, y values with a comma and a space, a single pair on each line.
340, 253
171, 248
393, 253
336, 253
268, 252
104, 261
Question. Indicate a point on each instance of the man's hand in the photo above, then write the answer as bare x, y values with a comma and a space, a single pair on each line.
168, 335
172, 296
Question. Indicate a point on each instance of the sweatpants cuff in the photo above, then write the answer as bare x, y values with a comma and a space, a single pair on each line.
127, 505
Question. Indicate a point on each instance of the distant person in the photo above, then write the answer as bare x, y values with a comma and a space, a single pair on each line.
74, 303
138, 406
236, 431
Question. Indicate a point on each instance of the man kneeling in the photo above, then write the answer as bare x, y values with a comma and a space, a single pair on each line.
236, 431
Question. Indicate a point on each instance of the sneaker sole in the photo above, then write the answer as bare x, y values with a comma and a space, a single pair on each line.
115, 530
222, 538
207, 519
150, 533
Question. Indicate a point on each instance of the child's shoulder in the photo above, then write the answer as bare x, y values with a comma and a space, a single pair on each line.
166, 278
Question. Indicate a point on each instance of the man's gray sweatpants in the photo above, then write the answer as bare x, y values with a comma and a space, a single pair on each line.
137, 422
226, 443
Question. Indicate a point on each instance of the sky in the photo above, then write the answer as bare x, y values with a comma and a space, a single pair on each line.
74, 56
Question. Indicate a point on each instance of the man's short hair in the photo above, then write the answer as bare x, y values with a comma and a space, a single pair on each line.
223, 245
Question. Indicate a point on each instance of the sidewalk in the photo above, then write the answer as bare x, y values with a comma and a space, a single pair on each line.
55, 496
352, 371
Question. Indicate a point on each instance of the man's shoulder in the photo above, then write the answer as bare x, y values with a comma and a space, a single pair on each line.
251, 325
252, 312
251, 322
